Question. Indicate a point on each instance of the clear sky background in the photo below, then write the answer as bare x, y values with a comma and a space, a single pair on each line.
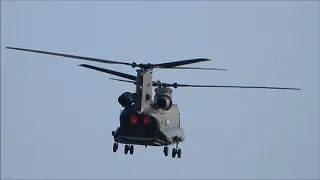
57, 118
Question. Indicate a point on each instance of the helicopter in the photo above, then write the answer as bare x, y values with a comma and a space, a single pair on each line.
145, 121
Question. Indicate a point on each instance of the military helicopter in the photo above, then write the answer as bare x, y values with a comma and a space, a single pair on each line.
143, 120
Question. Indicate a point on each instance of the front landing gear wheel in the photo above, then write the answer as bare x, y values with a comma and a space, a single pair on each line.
174, 152
166, 150
115, 147
131, 149
126, 149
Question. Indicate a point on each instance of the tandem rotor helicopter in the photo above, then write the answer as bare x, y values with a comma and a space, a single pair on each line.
143, 120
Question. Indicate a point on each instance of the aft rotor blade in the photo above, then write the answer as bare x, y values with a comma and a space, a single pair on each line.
198, 68
250, 87
116, 73
180, 63
70, 56
123, 80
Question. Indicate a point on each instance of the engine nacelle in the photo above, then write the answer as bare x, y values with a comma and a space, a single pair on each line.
126, 99
164, 102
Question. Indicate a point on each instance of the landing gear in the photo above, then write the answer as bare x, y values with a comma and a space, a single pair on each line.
131, 149
128, 148
115, 147
179, 153
165, 150
176, 151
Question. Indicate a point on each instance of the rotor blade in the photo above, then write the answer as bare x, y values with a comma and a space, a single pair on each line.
180, 63
123, 80
116, 73
70, 56
199, 68
250, 87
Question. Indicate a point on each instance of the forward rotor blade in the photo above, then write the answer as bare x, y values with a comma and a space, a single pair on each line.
250, 87
70, 56
180, 63
198, 68
123, 80
116, 73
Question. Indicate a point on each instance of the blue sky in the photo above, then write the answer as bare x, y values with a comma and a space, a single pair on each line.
57, 118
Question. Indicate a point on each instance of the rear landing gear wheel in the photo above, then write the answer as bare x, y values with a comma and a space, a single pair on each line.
115, 147
174, 152
179, 152
126, 149
131, 149
166, 150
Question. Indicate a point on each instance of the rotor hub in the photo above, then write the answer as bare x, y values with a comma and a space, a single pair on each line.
148, 66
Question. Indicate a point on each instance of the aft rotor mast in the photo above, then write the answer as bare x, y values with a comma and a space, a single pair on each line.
143, 88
